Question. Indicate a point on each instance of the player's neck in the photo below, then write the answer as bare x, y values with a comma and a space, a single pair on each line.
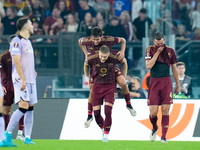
24, 34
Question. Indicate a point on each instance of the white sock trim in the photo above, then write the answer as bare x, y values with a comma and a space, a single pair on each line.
28, 136
105, 136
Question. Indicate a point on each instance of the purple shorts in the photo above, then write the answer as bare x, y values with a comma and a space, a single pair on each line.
8, 99
160, 91
103, 91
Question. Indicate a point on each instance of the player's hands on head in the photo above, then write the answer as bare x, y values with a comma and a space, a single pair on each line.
23, 85
120, 55
177, 90
4, 90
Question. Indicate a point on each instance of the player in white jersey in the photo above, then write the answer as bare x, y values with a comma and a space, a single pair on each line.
24, 79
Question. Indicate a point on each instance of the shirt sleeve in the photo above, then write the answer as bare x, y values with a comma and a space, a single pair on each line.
147, 53
174, 58
112, 40
16, 46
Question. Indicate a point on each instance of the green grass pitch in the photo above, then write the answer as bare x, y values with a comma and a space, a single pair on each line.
99, 145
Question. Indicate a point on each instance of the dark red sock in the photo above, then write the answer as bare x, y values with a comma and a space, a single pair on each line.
90, 109
108, 119
6, 119
21, 123
154, 121
165, 125
127, 98
99, 118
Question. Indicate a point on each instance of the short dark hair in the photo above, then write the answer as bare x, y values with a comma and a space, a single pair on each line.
143, 10
21, 22
104, 49
11, 37
14, 9
96, 31
180, 64
114, 18
158, 36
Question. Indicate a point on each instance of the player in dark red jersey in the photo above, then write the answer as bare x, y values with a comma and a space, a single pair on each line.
93, 44
158, 58
6, 81
104, 87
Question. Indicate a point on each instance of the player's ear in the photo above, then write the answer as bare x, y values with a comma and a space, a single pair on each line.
26, 27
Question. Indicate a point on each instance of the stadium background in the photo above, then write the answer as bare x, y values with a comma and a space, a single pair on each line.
59, 65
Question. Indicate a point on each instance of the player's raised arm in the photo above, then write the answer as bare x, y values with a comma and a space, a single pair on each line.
124, 67
121, 53
82, 47
86, 69
150, 63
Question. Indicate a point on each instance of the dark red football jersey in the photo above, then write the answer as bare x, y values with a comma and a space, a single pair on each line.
103, 73
167, 56
105, 40
6, 70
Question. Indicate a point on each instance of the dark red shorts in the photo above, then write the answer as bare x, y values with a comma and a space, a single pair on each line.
8, 99
117, 73
160, 91
103, 91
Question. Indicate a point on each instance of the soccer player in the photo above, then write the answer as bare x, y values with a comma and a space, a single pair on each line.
158, 58
104, 87
6, 76
93, 44
3, 142
24, 79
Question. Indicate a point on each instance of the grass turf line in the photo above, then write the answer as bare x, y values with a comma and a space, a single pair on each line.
99, 145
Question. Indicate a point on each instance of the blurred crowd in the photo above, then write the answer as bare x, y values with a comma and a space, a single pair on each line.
123, 18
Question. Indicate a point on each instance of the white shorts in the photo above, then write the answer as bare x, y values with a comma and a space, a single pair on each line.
29, 94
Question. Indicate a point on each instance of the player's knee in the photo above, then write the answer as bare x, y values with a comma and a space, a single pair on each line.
165, 111
7, 110
153, 114
123, 84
